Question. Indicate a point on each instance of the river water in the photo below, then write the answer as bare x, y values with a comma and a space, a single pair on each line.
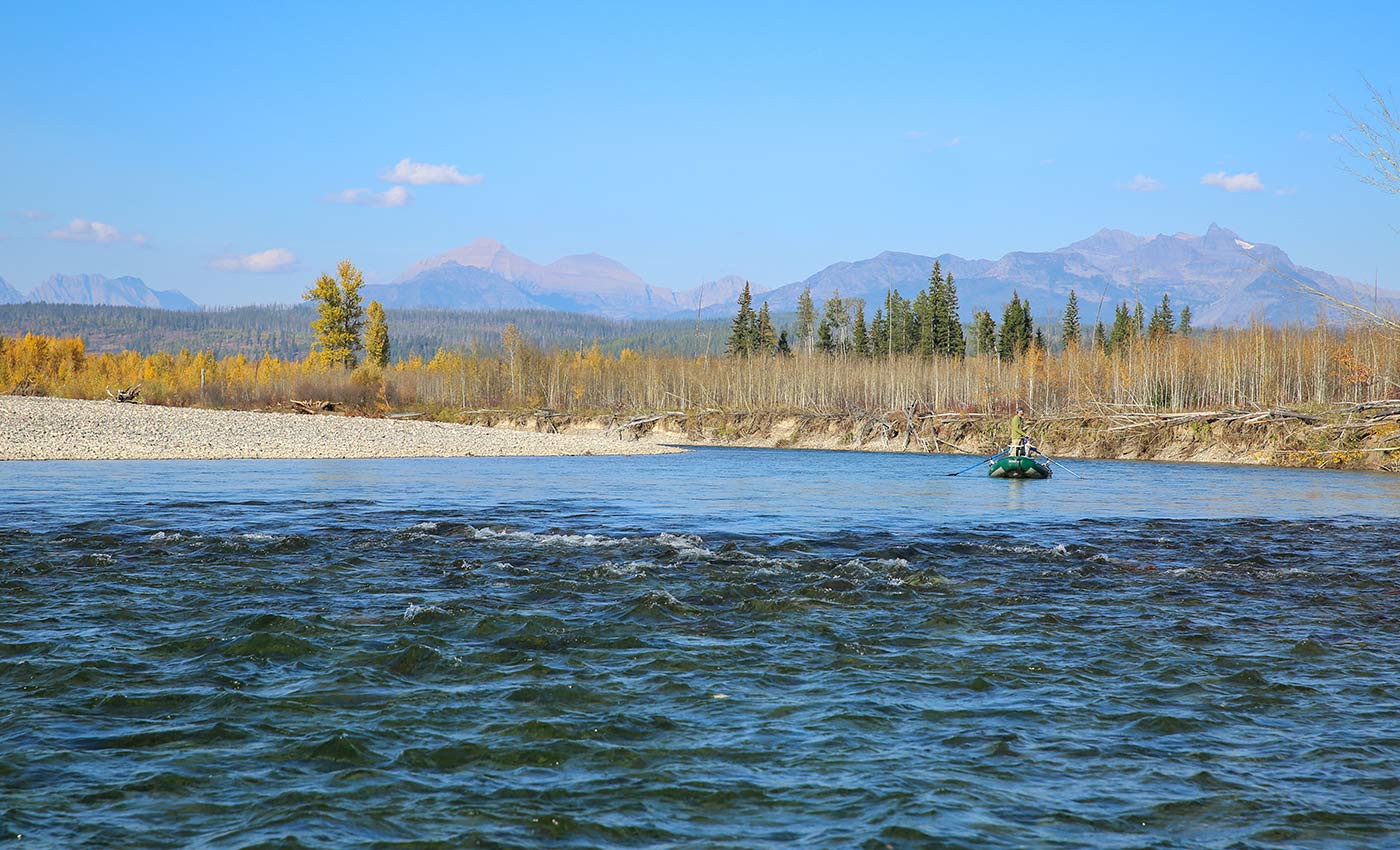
725, 648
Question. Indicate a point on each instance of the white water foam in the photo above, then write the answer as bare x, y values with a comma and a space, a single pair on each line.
414, 611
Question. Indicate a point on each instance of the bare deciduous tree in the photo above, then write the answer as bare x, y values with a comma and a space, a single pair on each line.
1373, 140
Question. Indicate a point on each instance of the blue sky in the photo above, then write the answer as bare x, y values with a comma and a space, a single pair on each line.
688, 142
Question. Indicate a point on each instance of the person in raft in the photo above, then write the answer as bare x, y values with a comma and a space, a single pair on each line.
1019, 440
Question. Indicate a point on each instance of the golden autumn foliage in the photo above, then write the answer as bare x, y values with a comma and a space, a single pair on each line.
1255, 366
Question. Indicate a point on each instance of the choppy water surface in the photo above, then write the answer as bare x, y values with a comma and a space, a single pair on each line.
720, 649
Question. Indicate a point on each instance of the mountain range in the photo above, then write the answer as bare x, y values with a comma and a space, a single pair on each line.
97, 289
487, 275
1226, 280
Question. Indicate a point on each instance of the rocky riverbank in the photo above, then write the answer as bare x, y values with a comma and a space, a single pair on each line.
69, 429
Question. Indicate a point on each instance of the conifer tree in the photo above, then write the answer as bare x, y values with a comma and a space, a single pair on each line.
377, 336
741, 332
784, 347
1163, 320
1071, 325
340, 316
954, 342
1124, 330
806, 320
1101, 338
984, 332
932, 311
836, 320
1027, 325
899, 315
926, 320
1183, 324
879, 335
1139, 320
765, 337
860, 338
910, 331
1017, 329
894, 324
826, 344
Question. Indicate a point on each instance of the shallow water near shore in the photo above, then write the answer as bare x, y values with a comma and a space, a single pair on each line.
724, 648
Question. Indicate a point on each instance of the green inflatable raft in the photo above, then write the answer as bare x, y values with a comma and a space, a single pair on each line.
1018, 466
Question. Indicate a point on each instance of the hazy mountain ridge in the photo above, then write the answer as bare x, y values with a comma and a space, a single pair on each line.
1225, 279
8, 294
491, 275
122, 291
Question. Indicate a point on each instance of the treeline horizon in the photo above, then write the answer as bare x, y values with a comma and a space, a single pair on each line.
1209, 369
284, 331
930, 325
914, 352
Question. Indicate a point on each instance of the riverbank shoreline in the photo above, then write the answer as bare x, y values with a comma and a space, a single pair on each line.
1336, 438
1350, 437
36, 428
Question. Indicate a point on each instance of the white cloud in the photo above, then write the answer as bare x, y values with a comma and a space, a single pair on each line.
954, 142
914, 134
397, 196
1286, 191
1049, 160
1304, 136
423, 174
1242, 182
34, 215
82, 230
1142, 183
271, 261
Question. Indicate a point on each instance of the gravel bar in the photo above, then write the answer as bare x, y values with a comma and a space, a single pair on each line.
70, 429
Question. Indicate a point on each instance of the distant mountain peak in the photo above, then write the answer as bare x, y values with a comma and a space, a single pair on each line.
8, 294
481, 253
124, 291
1225, 279
580, 282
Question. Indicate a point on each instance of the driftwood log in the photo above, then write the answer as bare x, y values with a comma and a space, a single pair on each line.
312, 406
130, 395
26, 386
632, 428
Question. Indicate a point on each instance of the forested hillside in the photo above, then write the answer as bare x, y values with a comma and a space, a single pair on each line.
286, 331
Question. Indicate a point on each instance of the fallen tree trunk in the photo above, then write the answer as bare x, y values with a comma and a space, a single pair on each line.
310, 406
130, 395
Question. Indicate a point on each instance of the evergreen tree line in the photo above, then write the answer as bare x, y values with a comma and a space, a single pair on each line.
928, 326
1129, 325
753, 332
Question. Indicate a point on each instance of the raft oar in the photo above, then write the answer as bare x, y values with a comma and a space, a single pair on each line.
1056, 462
977, 464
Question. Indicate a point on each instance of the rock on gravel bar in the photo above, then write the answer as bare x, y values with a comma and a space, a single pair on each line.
70, 429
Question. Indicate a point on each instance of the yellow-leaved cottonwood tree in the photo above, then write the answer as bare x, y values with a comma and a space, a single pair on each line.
341, 316
377, 337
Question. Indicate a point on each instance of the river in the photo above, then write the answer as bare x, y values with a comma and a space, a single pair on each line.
726, 648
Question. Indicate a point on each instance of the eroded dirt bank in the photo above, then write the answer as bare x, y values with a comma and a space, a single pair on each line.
1354, 436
